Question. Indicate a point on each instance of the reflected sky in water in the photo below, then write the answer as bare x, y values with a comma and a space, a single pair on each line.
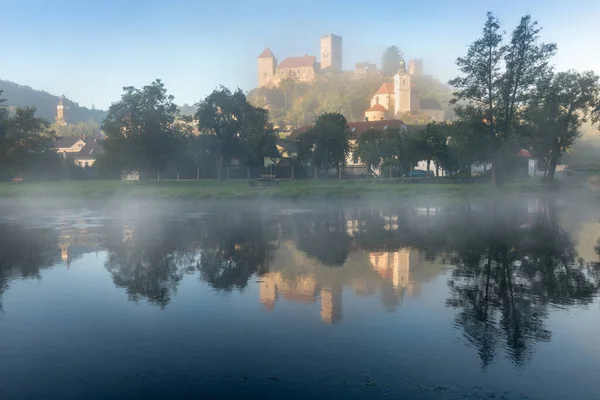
451, 302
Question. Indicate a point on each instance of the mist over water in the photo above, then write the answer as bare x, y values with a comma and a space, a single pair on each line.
455, 300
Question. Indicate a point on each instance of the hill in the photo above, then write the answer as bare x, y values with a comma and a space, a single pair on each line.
20, 96
295, 103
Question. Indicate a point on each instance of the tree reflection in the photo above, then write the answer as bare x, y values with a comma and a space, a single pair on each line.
149, 258
506, 277
24, 252
323, 235
233, 250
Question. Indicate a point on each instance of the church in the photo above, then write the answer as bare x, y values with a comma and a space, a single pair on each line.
395, 99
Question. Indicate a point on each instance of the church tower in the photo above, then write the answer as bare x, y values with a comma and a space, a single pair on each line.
60, 112
402, 94
267, 65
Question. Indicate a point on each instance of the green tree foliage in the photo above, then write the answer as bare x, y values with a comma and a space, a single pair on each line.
390, 61
79, 129
242, 130
26, 144
141, 129
496, 82
297, 103
327, 144
370, 149
431, 143
556, 112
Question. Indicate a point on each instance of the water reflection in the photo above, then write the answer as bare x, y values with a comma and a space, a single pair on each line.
510, 263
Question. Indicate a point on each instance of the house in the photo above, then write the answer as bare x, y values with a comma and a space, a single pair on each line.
82, 151
68, 144
87, 156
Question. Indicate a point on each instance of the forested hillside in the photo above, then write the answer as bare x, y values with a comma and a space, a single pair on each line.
19, 96
294, 103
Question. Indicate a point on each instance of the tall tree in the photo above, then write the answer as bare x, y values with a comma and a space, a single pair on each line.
390, 61
370, 149
141, 130
496, 82
26, 144
242, 130
559, 106
327, 143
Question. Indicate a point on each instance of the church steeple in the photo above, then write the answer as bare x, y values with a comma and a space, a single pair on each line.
402, 89
60, 111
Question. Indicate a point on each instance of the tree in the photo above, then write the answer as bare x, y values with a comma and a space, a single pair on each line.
559, 106
141, 129
496, 82
370, 149
327, 143
431, 142
241, 129
26, 145
390, 61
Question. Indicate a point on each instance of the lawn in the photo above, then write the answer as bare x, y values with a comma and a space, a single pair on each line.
239, 189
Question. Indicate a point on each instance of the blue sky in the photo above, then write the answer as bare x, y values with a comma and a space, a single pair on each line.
90, 49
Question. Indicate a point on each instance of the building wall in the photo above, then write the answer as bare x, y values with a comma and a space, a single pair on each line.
266, 70
365, 69
84, 163
331, 52
403, 98
375, 115
302, 74
415, 67
386, 100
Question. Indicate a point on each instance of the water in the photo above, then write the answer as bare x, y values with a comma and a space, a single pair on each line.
469, 301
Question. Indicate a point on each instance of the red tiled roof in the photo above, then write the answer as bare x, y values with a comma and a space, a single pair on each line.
357, 128
266, 53
298, 62
386, 88
524, 153
377, 107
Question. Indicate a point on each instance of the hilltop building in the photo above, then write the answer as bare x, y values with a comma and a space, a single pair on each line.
302, 69
365, 68
331, 53
393, 99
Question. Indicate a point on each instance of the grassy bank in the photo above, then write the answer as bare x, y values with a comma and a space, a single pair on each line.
292, 190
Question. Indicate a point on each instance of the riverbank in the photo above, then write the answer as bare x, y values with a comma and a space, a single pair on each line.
230, 190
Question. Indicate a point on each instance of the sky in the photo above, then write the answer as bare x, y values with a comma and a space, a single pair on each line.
89, 50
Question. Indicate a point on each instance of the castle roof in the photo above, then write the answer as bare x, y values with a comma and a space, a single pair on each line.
266, 53
386, 88
60, 101
377, 107
430, 104
298, 62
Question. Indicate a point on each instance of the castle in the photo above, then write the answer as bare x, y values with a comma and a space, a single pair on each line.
394, 99
302, 69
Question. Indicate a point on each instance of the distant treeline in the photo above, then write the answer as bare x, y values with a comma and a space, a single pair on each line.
45, 104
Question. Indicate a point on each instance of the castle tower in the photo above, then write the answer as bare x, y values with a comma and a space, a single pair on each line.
267, 65
60, 112
331, 52
402, 103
